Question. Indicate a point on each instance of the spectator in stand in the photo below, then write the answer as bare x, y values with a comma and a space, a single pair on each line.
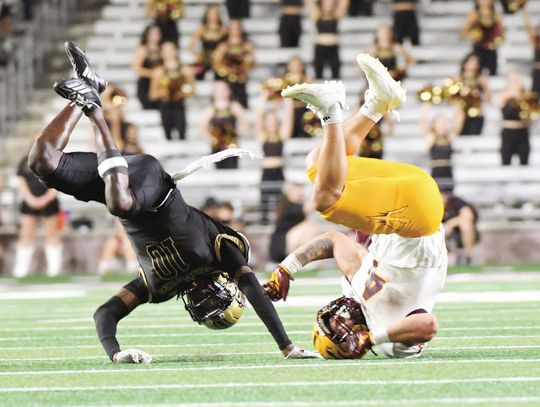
406, 22
165, 15
474, 93
272, 135
516, 120
296, 73
39, 204
290, 24
460, 219
326, 16
233, 60
113, 99
484, 26
147, 57
209, 34
238, 9
293, 228
439, 137
534, 38
224, 122
171, 84
115, 248
361, 8
390, 53
128, 144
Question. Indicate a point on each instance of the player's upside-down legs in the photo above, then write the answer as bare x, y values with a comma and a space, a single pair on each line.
370, 195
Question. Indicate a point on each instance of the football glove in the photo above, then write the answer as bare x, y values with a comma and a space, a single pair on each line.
360, 342
277, 287
132, 356
298, 353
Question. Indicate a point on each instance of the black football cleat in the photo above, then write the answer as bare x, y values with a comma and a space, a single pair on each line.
80, 93
82, 67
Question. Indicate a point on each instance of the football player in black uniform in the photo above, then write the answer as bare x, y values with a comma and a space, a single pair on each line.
176, 244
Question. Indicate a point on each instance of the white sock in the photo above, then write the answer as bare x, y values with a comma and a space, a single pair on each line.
333, 116
368, 110
54, 260
291, 264
379, 336
23, 260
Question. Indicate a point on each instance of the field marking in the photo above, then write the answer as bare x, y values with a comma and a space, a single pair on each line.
331, 364
173, 335
244, 332
42, 295
381, 402
522, 379
174, 346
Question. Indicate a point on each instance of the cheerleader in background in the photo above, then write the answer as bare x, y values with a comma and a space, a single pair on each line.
534, 38
474, 92
209, 34
171, 84
233, 60
326, 16
485, 28
439, 137
290, 23
224, 122
390, 52
147, 57
406, 22
272, 134
516, 110
165, 14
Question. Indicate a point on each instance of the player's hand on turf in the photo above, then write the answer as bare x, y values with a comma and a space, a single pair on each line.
299, 353
277, 287
132, 356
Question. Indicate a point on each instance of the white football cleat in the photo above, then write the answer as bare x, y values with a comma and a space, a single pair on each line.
384, 94
318, 96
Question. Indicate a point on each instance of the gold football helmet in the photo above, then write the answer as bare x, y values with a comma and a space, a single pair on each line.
335, 323
216, 302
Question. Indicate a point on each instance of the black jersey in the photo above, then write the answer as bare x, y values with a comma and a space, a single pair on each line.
175, 243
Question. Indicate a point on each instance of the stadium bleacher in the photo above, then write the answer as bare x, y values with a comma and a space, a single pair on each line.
499, 192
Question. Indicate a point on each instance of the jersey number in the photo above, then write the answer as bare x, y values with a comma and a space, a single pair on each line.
166, 260
374, 284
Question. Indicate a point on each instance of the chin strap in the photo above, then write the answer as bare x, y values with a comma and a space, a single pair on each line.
213, 158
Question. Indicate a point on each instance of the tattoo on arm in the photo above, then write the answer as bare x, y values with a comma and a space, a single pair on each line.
318, 249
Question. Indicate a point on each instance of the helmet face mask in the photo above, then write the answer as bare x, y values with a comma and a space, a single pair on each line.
340, 318
215, 302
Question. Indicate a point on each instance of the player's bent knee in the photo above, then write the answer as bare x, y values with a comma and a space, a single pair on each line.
324, 198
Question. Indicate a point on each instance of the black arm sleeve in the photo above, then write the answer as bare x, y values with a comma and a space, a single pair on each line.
106, 318
109, 314
264, 308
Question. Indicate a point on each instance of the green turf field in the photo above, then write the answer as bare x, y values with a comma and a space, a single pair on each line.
487, 353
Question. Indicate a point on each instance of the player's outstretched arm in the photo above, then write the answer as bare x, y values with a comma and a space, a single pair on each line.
249, 285
110, 313
347, 253
112, 168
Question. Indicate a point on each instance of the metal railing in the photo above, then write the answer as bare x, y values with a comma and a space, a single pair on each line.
27, 61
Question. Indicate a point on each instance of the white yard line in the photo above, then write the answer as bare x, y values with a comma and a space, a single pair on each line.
44, 294
313, 364
523, 379
382, 402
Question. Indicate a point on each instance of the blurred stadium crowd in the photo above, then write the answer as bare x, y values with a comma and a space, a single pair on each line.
196, 69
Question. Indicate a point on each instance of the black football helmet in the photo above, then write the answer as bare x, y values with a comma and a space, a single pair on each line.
215, 302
